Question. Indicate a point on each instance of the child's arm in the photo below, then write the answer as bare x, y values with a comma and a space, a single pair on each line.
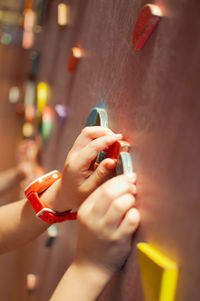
106, 222
18, 224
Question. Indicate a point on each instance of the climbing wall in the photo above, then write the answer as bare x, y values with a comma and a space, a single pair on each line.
11, 74
151, 97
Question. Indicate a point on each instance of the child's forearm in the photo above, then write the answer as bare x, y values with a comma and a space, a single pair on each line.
81, 282
18, 225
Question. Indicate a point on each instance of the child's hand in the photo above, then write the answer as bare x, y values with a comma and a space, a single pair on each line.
106, 222
78, 179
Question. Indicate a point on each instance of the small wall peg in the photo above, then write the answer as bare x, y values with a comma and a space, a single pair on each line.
28, 130
35, 59
52, 233
29, 23
159, 274
43, 92
47, 122
75, 54
14, 95
31, 283
29, 93
120, 151
63, 14
147, 20
29, 113
20, 108
98, 117
62, 112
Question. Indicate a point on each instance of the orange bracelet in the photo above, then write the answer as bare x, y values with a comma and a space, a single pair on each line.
37, 187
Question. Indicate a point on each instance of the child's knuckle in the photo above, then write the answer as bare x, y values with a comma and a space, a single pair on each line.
131, 222
108, 192
130, 198
86, 131
69, 166
100, 172
117, 205
93, 144
114, 239
127, 186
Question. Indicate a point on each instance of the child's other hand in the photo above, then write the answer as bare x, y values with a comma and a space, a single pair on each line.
106, 222
78, 179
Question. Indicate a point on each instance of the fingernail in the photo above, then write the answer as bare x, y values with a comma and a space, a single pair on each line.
118, 136
132, 177
134, 189
114, 162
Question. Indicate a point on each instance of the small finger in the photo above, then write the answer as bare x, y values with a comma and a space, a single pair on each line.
118, 209
90, 152
109, 191
101, 174
129, 224
90, 133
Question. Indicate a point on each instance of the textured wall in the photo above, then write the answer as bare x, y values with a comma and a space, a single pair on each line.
152, 97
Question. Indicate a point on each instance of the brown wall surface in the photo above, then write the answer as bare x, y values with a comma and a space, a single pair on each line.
152, 97
14, 65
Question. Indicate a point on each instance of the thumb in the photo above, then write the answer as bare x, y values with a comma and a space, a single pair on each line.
102, 173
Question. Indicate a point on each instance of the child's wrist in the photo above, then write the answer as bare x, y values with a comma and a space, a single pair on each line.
93, 275
52, 198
